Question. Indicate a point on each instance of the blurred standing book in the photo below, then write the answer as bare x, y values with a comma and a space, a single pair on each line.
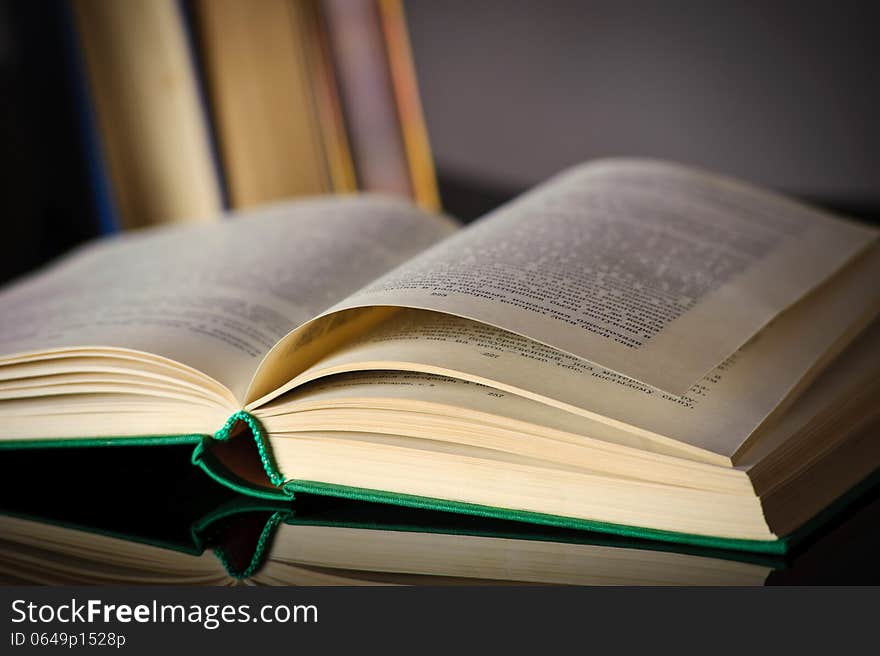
378, 90
203, 104
278, 135
151, 122
313, 97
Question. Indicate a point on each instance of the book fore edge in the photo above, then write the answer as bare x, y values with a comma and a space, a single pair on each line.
285, 489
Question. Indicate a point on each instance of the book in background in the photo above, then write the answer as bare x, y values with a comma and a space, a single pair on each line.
152, 125
313, 97
201, 105
377, 81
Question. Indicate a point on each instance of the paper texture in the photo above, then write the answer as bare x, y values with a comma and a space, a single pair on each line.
651, 270
716, 415
217, 297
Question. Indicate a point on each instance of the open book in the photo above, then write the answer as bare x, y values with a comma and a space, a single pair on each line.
632, 347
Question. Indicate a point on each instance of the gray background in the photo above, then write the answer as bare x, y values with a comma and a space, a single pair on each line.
782, 93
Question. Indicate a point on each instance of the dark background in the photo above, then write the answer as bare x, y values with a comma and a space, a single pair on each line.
784, 94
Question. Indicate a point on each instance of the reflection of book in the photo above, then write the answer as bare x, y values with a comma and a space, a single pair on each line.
547, 364
150, 533
329, 552
38, 553
167, 537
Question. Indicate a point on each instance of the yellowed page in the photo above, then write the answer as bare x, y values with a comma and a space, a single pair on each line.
489, 477
822, 415
717, 415
423, 405
443, 409
215, 298
654, 271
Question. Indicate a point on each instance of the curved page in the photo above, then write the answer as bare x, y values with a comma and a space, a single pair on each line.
716, 416
651, 270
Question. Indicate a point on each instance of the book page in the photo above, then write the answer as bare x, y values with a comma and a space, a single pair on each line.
656, 272
214, 297
717, 414
434, 407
